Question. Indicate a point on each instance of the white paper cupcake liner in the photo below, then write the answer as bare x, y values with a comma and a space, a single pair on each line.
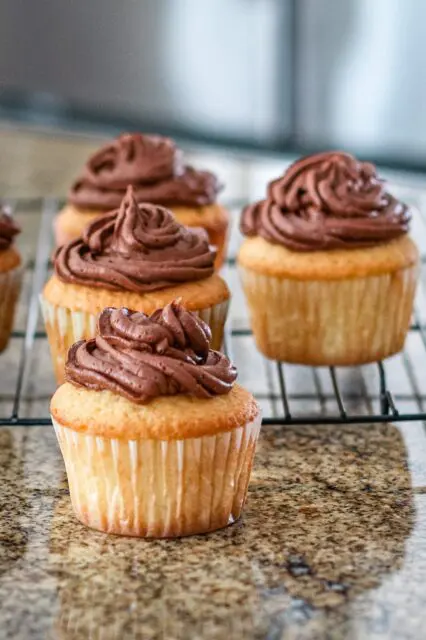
153, 488
10, 287
330, 322
64, 327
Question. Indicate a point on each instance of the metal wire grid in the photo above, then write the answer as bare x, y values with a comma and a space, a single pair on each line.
380, 404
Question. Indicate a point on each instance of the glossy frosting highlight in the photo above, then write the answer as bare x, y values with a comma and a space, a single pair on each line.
140, 248
327, 201
142, 357
8, 229
153, 165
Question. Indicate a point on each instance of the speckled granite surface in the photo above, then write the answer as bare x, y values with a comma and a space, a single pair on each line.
332, 545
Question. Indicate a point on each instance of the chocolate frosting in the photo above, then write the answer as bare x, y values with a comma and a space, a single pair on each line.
141, 357
139, 248
327, 201
152, 165
8, 229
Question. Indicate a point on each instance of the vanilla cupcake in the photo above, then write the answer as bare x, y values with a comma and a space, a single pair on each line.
154, 167
328, 268
139, 257
157, 439
10, 276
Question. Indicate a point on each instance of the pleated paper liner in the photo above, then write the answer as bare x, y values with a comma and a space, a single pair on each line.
330, 322
10, 287
157, 488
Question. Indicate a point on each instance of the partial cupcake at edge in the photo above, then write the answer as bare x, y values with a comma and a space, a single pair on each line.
139, 257
158, 440
10, 275
155, 167
328, 268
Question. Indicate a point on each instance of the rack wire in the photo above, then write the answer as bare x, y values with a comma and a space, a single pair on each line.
333, 395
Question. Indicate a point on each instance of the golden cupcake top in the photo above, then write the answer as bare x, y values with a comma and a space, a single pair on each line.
8, 229
139, 248
153, 165
327, 201
141, 357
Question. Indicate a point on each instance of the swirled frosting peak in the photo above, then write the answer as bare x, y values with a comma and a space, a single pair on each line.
8, 229
153, 165
327, 201
139, 248
141, 357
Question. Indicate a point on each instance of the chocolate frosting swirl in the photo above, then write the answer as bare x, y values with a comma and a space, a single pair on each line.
327, 201
8, 229
139, 248
152, 165
141, 357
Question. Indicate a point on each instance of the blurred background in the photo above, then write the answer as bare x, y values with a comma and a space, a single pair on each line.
268, 75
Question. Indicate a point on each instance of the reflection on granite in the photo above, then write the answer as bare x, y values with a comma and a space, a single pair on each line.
329, 546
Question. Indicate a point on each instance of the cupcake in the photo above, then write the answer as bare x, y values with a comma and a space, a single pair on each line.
157, 439
327, 266
154, 167
10, 276
139, 257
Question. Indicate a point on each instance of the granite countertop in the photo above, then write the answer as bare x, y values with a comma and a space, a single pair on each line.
332, 543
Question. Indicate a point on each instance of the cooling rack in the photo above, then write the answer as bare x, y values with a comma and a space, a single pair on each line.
289, 395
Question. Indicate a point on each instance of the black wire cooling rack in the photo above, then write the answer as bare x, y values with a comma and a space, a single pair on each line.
358, 400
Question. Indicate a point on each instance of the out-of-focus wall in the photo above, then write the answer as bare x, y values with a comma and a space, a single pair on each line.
320, 73
211, 65
362, 75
